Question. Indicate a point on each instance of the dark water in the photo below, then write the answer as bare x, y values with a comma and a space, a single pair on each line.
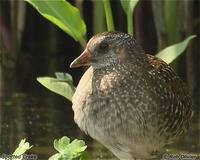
40, 119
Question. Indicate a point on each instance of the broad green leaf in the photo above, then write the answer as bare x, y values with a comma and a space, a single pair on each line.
62, 14
64, 77
76, 147
22, 148
67, 150
128, 5
172, 52
61, 87
61, 144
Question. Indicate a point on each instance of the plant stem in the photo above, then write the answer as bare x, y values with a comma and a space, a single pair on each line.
83, 42
130, 22
109, 17
98, 13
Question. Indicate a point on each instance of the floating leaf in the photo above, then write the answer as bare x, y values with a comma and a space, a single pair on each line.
172, 52
62, 14
22, 148
61, 85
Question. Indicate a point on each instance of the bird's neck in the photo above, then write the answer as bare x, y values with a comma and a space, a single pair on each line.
106, 66
114, 67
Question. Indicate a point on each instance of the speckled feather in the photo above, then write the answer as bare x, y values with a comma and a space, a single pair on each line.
135, 104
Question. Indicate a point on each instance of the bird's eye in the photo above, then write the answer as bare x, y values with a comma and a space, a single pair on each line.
103, 46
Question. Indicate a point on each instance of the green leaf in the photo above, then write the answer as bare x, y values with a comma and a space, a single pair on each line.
76, 147
128, 5
64, 77
61, 144
62, 85
22, 148
62, 14
172, 52
67, 150
56, 156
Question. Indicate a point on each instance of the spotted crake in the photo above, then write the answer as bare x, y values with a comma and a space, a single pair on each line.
131, 102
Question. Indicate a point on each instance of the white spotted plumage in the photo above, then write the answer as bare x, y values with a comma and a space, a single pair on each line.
133, 104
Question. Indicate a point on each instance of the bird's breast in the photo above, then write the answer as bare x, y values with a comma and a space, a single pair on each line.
106, 82
93, 97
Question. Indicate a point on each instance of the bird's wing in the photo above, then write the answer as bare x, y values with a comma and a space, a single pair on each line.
150, 98
175, 104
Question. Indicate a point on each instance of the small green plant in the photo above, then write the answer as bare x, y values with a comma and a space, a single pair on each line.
19, 151
22, 148
66, 150
69, 151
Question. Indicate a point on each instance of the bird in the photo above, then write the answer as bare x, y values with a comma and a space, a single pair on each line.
131, 102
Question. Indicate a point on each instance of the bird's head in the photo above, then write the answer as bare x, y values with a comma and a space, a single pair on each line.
107, 48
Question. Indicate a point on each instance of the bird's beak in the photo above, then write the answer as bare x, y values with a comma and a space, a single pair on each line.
82, 60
